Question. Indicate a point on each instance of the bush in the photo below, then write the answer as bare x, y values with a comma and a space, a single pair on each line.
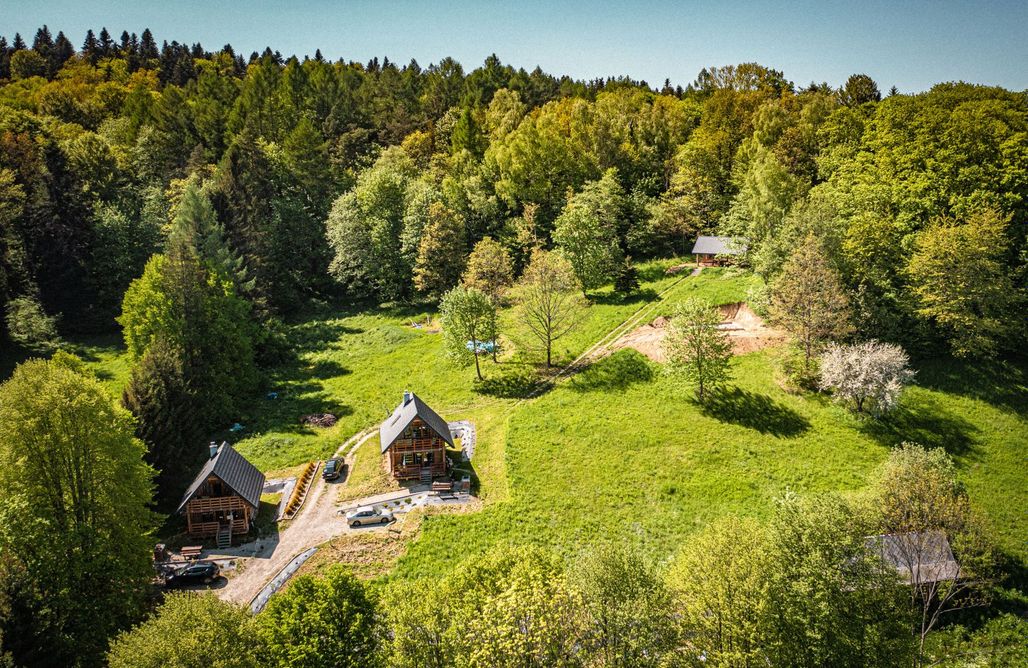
28, 325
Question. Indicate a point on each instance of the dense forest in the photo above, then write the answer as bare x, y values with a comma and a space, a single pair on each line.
196, 200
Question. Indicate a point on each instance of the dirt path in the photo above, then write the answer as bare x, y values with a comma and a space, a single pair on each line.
607, 342
318, 521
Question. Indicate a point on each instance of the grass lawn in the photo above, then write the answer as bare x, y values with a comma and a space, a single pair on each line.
357, 366
619, 454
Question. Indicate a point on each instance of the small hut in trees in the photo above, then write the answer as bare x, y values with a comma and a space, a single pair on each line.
919, 557
414, 440
714, 251
224, 497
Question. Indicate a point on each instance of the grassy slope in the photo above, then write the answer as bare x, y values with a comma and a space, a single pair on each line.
357, 366
618, 453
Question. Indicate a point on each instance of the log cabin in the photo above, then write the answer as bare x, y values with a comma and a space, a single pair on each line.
414, 440
716, 251
224, 498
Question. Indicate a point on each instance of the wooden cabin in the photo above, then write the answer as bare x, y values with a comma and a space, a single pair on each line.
414, 441
224, 498
717, 251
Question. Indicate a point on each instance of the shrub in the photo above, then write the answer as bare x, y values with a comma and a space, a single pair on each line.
30, 326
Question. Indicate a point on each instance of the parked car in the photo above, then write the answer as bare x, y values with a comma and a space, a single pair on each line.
202, 572
368, 515
334, 468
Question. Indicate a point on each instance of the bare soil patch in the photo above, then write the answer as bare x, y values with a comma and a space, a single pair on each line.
746, 330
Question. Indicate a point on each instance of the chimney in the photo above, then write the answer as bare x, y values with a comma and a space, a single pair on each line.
407, 396
214, 449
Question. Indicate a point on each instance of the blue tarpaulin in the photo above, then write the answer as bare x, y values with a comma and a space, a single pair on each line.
483, 346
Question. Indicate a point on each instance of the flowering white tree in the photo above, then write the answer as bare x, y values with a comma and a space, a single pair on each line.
870, 374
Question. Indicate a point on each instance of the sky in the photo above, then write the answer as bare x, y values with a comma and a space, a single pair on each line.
911, 45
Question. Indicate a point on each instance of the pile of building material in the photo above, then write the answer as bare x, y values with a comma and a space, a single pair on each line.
318, 420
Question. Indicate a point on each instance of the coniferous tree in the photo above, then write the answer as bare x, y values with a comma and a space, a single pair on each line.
63, 51
43, 42
91, 48
148, 51
19, 43
167, 406
106, 43
5, 59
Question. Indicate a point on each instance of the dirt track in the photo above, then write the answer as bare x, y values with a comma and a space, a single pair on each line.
317, 522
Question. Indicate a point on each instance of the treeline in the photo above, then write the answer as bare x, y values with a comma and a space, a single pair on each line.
97, 144
804, 588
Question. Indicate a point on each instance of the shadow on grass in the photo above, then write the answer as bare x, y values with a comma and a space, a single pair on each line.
512, 382
315, 335
755, 411
620, 298
325, 369
460, 468
1000, 383
925, 422
653, 272
615, 373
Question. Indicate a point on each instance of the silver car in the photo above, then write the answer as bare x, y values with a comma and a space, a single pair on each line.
368, 515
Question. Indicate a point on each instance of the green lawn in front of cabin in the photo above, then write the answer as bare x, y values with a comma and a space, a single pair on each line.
620, 453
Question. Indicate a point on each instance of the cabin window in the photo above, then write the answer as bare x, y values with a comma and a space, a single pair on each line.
429, 458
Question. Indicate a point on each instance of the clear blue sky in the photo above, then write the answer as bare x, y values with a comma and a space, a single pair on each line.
911, 45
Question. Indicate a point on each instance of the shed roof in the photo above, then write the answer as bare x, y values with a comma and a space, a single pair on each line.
235, 471
411, 407
918, 557
718, 246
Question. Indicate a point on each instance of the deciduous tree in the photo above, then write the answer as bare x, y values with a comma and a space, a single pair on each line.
468, 318
548, 299
188, 631
327, 621
961, 284
75, 510
870, 374
489, 269
441, 252
919, 499
695, 347
587, 231
808, 298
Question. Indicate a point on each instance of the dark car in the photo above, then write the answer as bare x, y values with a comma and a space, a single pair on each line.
334, 468
200, 573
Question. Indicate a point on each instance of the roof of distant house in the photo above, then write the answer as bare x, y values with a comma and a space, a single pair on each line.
235, 471
411, 407
918, 557
718, 246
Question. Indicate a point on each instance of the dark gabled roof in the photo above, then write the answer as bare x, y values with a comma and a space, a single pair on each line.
918, 557
231, 468
412, 406
718, 246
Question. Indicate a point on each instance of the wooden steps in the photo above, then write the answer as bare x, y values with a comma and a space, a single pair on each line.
225, 536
